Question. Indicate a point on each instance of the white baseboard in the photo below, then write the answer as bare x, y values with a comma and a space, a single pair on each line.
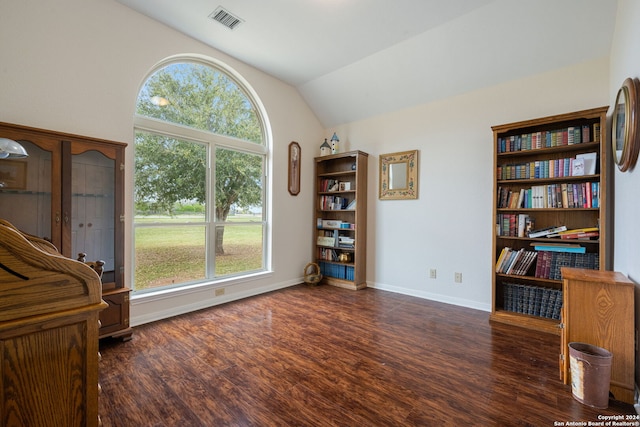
146, 308
432, 297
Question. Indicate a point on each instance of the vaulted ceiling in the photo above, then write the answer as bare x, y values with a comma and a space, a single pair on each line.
353, 59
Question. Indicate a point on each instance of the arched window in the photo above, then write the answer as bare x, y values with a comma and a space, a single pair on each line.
200, 160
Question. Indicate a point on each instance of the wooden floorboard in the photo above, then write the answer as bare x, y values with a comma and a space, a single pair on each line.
325, 356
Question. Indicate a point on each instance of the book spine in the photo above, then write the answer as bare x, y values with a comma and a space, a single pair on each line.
584, 235
586, 136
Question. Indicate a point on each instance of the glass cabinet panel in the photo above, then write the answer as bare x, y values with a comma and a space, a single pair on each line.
93, 207
25, 191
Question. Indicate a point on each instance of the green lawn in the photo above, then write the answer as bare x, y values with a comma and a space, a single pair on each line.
173, 255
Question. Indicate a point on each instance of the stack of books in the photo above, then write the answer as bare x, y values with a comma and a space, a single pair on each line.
558, 247
346, 242
577, 233
561, 231
545, 232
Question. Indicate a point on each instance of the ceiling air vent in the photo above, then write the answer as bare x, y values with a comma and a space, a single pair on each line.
226, 18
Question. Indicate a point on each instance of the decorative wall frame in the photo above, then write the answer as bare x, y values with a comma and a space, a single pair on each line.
294, 168
399, 175
625, 136
13, 175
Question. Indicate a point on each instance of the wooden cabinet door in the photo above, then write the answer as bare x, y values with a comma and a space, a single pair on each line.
49, 375
93, 207
30, 194
95, 199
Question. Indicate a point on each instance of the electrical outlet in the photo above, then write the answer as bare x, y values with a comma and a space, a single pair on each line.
432, 273
219, 292
458, 278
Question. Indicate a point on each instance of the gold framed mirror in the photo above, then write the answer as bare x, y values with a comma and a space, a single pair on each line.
624, 125
399, 175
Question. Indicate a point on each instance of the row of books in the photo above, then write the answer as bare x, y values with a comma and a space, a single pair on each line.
522, 225
515, 262
550, 263
582, 164
327, 185
327, 254
335, 239
562, 195
339, 271
514, 225
334, 203
551, 138
532, 300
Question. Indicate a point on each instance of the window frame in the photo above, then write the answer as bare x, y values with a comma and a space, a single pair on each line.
213, 141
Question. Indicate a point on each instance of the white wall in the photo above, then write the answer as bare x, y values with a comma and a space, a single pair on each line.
449, 227
625, 62
76, 66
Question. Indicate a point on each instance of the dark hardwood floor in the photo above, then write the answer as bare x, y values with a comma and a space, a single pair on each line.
324, 356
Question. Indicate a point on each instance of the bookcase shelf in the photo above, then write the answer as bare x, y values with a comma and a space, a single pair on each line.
548, 180
341, 218
530, 322
538, 184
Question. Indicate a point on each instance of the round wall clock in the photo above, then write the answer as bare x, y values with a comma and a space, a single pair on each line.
624, 125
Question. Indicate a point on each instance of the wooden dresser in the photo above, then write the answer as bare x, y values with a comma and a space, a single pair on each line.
49, 307
598, 309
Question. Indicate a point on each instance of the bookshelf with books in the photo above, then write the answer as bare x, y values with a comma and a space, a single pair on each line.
550, 199
341, 218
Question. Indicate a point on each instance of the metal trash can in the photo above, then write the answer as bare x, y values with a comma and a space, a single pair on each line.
590, 374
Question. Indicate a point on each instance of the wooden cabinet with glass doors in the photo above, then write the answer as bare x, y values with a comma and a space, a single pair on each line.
70, 191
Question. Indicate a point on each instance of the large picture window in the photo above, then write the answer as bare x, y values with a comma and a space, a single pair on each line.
200, 159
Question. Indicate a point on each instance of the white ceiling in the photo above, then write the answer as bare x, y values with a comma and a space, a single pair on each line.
353, 59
